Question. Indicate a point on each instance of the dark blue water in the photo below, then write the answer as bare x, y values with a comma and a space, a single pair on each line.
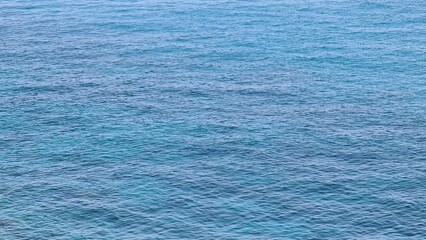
212, 119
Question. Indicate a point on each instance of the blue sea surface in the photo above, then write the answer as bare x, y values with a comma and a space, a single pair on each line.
202, 119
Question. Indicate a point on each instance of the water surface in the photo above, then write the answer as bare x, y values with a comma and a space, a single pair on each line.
212, 119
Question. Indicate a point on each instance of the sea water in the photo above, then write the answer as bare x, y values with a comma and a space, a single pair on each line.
157, 119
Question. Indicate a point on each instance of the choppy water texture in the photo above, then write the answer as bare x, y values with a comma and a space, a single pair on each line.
212, 119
